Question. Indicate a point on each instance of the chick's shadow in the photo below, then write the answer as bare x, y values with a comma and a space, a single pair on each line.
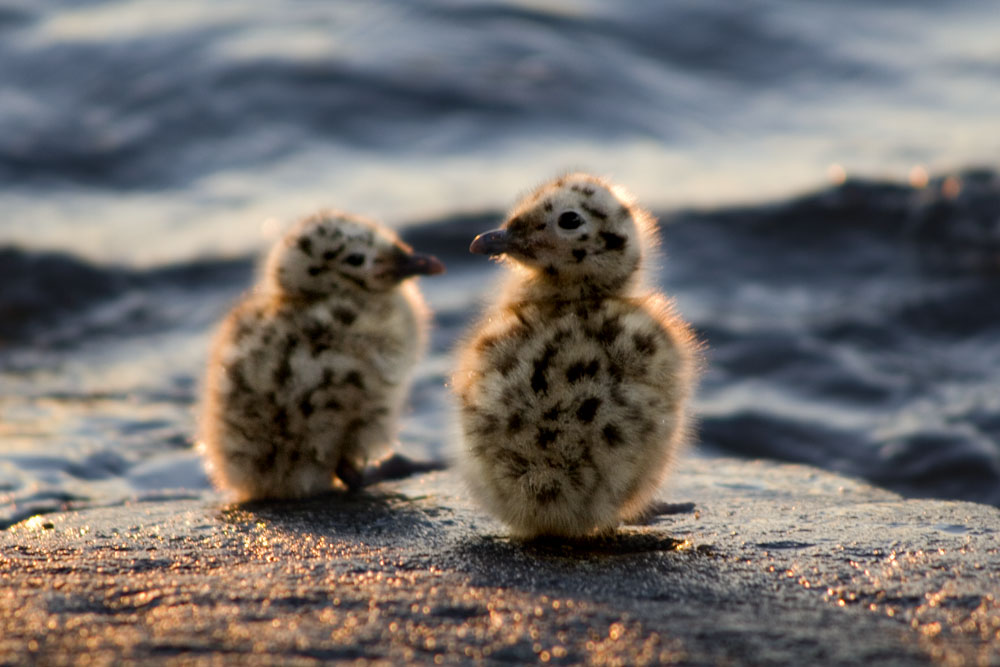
603, 562
368, 514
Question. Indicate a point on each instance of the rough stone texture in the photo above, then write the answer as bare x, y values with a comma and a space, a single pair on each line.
771, 564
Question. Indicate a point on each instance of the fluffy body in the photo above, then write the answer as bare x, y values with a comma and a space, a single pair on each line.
573, 388
309, 372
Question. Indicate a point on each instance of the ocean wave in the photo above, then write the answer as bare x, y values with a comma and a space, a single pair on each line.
129, 104
855, 329
53, 299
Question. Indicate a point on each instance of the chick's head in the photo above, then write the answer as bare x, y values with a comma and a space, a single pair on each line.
335, 252
578, 231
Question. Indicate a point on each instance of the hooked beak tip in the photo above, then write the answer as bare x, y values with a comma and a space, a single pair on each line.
491, 243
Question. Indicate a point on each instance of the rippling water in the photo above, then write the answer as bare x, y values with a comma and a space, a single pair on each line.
150, 150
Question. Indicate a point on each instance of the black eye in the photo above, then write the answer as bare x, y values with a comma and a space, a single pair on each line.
355, 259
570, 220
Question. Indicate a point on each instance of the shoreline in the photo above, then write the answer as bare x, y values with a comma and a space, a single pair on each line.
774, 563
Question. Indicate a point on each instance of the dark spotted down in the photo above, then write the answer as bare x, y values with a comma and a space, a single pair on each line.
597, 213
293, 398
612, 242
598, 397
297, 411
572, 391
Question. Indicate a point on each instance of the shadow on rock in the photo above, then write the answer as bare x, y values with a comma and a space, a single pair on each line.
594, 548
605, 561
370, 516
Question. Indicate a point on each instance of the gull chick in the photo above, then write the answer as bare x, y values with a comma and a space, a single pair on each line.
573, 389
309, 372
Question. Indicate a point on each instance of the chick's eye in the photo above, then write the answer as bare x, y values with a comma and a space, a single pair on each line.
355, 259
570, 220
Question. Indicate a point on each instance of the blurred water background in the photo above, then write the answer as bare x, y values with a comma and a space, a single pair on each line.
825, 173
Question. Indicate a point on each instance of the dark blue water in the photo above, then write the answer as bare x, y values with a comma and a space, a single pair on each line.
149, 151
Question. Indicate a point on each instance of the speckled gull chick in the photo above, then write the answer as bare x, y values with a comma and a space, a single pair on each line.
309, 372
573, 388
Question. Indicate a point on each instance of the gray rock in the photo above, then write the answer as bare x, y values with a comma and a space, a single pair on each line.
752, 563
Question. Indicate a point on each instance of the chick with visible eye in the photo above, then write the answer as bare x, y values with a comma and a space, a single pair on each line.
573, 388
309, 372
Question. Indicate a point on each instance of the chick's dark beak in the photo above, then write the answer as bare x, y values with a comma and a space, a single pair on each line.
416, 264
496, 242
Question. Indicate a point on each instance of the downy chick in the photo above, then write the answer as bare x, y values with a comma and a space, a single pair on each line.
309, 371
573, 388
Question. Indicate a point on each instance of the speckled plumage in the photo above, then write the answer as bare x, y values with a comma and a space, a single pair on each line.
573, 387
309, 371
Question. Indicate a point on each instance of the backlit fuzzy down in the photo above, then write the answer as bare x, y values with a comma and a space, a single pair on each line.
573, 388
308, 373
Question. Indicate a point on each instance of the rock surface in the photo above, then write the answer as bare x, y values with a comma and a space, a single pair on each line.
748, 563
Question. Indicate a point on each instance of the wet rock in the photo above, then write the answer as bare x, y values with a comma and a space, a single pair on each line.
772, 564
